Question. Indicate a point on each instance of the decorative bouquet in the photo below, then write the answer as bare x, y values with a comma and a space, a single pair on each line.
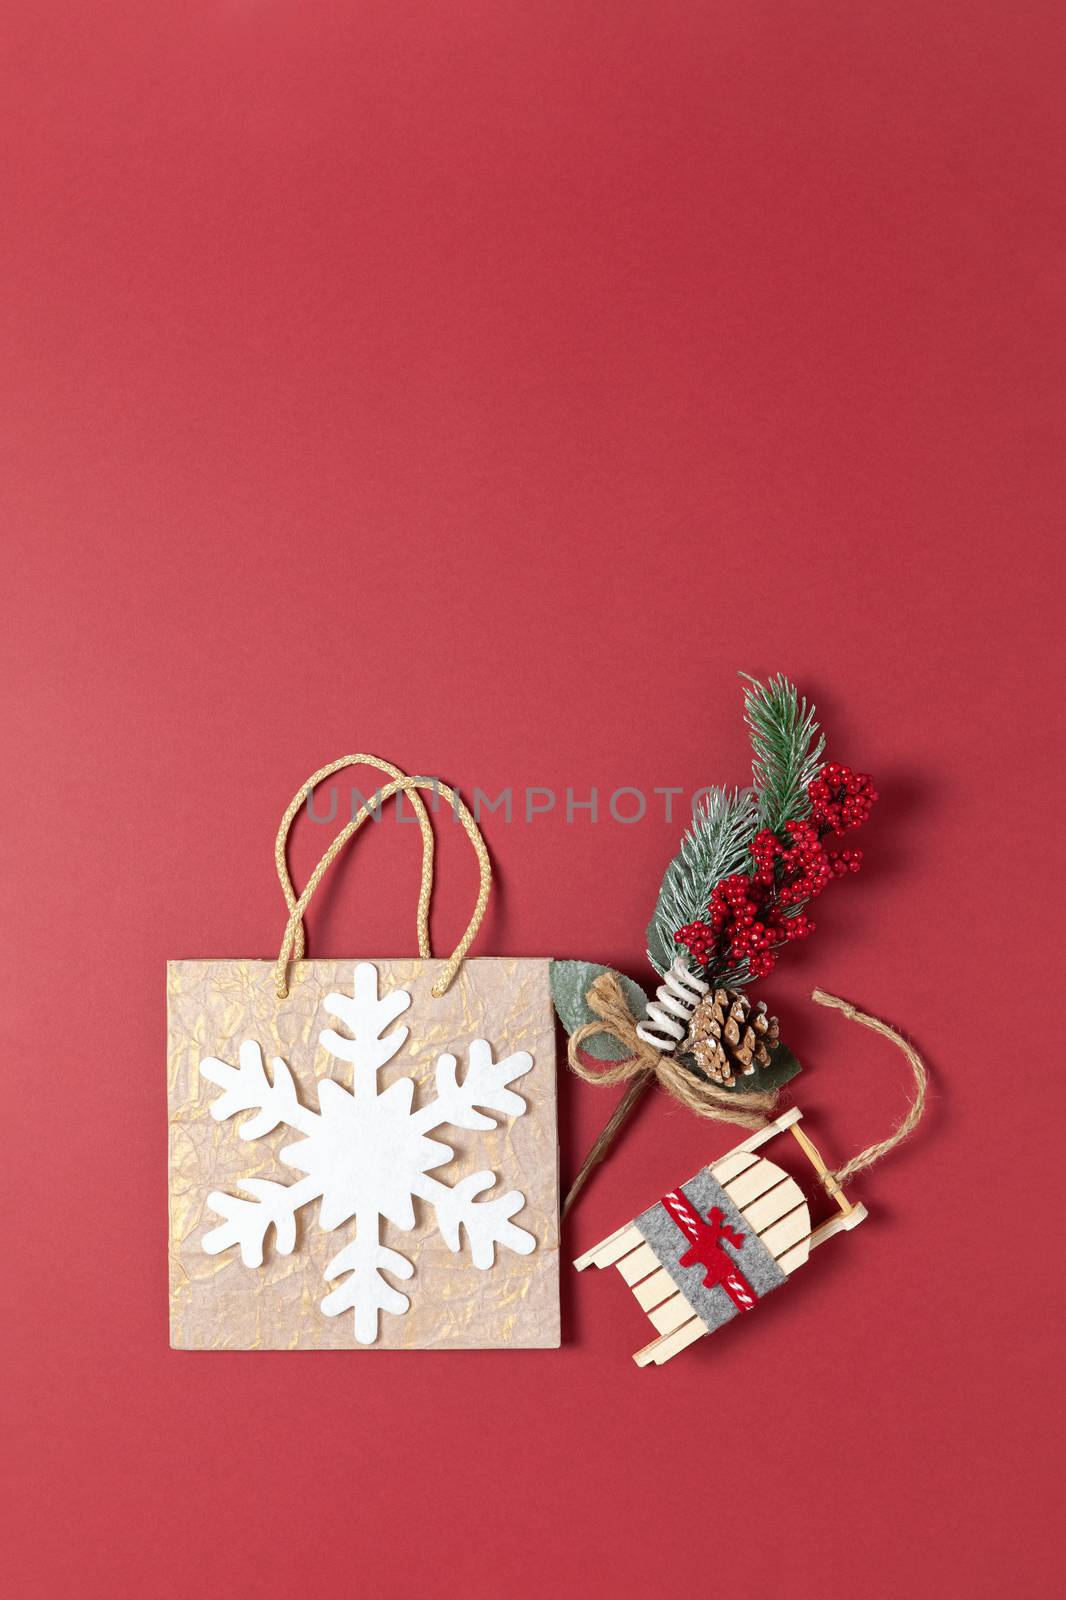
737, 892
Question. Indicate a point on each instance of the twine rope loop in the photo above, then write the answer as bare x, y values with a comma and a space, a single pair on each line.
907, 1125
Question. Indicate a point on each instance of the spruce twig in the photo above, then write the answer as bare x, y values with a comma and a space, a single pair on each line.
787, 749
713, 847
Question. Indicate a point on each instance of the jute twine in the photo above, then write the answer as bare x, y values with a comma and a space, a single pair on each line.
907, 1125
644, 1065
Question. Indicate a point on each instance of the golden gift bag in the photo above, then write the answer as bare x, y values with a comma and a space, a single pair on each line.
363, 1152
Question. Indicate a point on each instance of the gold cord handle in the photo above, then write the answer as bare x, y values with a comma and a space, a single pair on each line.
407, 786
281, 844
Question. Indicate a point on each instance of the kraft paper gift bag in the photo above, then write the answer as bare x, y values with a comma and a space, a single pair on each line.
363, 1151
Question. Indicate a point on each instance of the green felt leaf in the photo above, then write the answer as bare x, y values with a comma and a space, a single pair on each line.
570, 983
661, 950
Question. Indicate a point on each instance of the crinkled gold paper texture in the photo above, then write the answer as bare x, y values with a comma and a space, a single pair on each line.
216, 1303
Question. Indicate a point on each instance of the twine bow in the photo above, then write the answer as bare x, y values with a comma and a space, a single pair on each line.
609, 1004
643, 1066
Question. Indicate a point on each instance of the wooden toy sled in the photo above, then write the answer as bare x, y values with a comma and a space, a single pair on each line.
770, 1202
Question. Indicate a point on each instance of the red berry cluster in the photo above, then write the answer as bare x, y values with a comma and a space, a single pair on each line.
841, 799
749, 916
744, 920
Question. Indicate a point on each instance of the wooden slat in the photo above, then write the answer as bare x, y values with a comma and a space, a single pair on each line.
608, 1251
638, 1264
654, 1289
669, 1344
771, 1131
796, 1256
777, 1202
732, 1165
788, 1232
671, 1314
751, 1184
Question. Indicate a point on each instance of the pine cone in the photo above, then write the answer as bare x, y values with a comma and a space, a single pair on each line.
729, 1036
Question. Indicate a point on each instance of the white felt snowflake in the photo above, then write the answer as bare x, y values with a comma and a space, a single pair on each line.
365, 1154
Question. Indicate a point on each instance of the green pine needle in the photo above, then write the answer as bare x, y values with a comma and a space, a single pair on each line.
787, 748
715, 846
787, 756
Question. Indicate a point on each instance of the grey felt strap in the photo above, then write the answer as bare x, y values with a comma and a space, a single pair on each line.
714, 1306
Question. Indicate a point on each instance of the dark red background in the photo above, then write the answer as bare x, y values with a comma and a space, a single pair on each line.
485, 384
